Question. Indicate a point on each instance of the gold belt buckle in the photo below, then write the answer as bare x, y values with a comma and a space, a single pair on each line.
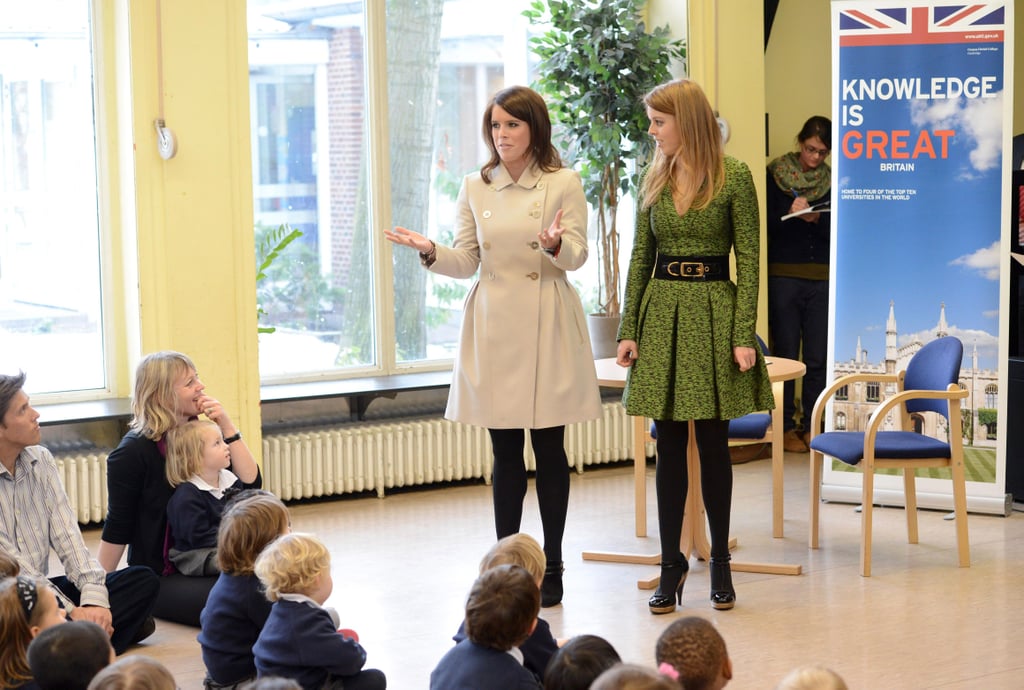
692, 269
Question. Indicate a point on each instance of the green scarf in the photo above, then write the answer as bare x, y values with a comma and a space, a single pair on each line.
790, 176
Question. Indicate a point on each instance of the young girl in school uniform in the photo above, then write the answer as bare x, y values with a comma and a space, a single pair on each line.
197, 468
237, 609
300, 640
27, 607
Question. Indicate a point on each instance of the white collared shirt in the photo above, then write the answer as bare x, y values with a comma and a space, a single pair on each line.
224, 480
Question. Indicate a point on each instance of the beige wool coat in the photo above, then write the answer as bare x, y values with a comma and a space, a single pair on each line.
524, 359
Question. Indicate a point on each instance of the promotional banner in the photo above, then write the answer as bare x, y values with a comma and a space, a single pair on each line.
921, 116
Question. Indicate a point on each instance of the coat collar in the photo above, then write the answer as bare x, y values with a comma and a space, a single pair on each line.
500, 178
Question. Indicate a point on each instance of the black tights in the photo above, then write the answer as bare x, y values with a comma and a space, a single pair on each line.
552, 483
671, 481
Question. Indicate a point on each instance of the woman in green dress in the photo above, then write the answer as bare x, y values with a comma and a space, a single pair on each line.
687, 330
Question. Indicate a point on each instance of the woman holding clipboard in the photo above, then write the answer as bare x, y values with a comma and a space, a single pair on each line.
798, 266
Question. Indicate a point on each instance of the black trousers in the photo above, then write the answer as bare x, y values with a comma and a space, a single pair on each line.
132, 593
798, 323
182, 598
509, 483
367, 679
672, 482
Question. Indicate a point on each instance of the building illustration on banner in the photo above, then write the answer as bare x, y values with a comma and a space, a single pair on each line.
854, 404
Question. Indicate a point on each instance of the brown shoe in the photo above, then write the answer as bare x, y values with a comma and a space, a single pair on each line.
792, 442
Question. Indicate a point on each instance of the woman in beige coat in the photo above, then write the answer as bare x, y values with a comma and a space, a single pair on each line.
524, 357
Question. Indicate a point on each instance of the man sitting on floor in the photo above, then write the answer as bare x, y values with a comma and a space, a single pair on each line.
36, 516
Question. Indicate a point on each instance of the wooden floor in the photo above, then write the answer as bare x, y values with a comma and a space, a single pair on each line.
402, 566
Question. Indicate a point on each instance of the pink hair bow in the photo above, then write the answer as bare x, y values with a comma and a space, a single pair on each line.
667, 669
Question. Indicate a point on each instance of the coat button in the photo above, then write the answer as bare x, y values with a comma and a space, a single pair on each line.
487, 245
487, 214
535, 214
534, 245
540, 185
491, 275
533, 276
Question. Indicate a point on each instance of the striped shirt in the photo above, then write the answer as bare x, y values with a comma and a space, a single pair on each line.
36, 516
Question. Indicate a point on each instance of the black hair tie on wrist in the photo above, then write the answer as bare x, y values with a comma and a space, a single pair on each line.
231, 439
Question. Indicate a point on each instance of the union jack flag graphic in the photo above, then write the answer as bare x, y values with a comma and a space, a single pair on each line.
870, 25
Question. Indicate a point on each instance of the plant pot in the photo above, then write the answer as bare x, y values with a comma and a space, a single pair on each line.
603, 329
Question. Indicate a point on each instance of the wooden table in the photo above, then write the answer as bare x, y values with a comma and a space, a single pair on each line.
694, 535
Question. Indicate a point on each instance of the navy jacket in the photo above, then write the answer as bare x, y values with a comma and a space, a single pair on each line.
468, 666
235, 613
537, 650
299, 641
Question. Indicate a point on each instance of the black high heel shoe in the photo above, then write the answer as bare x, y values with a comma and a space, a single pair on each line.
670, 587
551, 585
723, 596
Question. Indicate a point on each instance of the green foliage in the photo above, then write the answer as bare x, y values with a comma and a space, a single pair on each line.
596, 62
270, 242
292, 291
987, 417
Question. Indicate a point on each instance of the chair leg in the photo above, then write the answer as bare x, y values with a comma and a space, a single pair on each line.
910, 500
816, 460
960, 508
867, 500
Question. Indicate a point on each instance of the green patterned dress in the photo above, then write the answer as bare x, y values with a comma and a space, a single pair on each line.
686, 330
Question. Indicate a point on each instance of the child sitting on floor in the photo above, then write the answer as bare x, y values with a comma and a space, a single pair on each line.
500, 614
237, 609
300, 640
68, 656
134, 672
693, 650
633, 677
523, 550
27, 607
197, 466
579, 662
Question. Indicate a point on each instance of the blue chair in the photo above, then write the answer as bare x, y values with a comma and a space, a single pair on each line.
930, 383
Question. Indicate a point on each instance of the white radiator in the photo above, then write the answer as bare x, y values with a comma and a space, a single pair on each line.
358, 457
85, 481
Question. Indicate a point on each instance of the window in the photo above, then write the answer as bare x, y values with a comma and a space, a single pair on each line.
840, 421
872, 392
51, 312
334, 301
843, 393
992, 396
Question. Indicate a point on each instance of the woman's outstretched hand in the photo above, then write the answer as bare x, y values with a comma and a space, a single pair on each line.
551, 237
626, 353
409, 238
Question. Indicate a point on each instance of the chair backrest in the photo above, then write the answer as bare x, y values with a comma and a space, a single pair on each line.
934, 367
761, 344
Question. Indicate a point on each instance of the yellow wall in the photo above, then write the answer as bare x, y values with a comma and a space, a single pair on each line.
798, 71
197, 285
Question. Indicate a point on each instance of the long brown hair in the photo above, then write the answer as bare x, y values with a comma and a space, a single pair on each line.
700, 155
523, 104
16, 631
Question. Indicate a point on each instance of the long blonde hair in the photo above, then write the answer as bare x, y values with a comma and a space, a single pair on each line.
700, 156
155, 402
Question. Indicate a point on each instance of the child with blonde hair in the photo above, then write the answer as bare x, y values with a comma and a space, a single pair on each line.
134, 672
693, 652
300, 640
197, 468
9, 566
237, 609
27, 607
501, 612
811, 678
523, 550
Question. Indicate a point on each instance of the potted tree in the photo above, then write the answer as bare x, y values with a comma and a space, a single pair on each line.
597, 60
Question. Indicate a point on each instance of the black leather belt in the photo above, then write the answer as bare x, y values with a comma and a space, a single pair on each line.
692, 268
